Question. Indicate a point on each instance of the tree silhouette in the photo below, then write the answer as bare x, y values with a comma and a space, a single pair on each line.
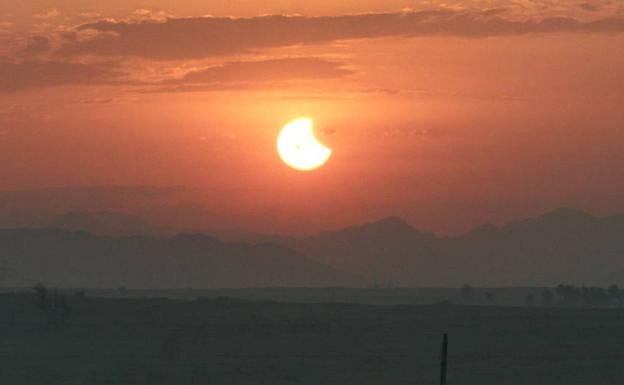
467, 293
614, 294
42, 295
570, 295
548, 298
55, 307
4, 272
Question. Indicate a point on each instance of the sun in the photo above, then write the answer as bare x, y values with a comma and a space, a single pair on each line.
299, 148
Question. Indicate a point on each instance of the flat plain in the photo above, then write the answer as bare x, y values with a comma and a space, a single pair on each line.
143, 341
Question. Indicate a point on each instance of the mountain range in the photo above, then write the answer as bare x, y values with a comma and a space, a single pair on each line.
563, 245
109, 250
63, 258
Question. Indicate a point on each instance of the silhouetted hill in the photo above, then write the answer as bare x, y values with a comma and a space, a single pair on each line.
380, 251
563, 245
107, 223
63, 258
560, 246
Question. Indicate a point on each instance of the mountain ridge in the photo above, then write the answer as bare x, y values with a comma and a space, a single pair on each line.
561, 245
71, 258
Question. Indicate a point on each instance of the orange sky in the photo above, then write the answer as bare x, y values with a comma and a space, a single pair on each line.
447, 114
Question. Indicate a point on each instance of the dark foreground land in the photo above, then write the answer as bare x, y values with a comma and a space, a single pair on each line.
227, 341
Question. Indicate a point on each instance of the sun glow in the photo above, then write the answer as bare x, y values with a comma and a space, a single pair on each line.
299, 148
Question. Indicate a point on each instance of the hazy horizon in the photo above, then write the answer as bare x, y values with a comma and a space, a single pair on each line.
158, 206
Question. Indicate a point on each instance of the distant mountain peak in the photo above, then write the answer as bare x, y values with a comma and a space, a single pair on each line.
565, 214
386, 228
487, 229
195, 238
389, 225
392, 221
183, 261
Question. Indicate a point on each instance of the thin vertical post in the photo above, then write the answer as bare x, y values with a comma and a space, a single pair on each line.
443, 359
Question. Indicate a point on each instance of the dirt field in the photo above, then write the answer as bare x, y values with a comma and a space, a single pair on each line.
226, 341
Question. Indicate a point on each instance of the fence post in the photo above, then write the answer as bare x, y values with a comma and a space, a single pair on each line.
443, 359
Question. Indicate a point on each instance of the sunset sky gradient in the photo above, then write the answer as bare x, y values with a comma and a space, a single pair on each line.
449, 114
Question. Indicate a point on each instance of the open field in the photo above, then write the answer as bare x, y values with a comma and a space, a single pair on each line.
227, 341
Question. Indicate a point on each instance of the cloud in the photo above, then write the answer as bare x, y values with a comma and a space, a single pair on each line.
268, 70
270, 73
36, 45
258, 74
402, 132
53, 59
109, 100
589, 7
201, 37
49, 14
147, 14
36, 74
89, 15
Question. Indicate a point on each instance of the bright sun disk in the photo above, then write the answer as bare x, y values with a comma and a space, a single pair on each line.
299, 148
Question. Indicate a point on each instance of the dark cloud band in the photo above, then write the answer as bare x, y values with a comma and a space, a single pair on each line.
201, 37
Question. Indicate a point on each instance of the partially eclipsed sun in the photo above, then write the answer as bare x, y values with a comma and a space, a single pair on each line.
299, 148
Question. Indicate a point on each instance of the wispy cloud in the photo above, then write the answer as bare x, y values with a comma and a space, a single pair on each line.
269, 73
48, 14
267, 70
201, 37
83, 54
147, 15
36, 45
589, 7
36, 74
108, 100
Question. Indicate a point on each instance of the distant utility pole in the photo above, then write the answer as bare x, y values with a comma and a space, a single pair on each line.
443, 359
